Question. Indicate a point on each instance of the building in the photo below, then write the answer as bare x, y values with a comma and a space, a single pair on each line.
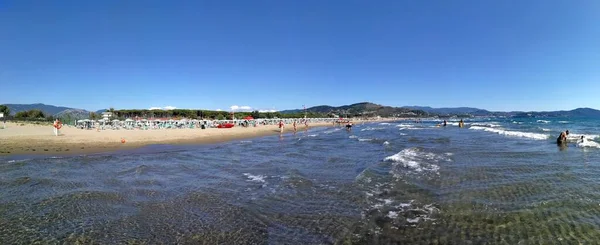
107, 115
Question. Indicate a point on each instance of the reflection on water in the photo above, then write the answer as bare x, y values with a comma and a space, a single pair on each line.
373, 184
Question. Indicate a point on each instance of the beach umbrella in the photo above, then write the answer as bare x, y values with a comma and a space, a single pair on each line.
249, 118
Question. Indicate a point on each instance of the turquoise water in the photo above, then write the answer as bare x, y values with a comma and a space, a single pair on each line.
496, 181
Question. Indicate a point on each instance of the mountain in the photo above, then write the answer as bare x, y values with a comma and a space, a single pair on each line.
449, 111
361, 109
55, 111
579, 112
367, 108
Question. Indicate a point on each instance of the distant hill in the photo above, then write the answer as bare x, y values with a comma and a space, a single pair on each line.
579, 112
449, 111
367, 108
55, 111
361, 109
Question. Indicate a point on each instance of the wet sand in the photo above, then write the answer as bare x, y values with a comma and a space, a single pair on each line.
26, 139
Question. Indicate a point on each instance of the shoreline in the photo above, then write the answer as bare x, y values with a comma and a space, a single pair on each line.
31, 139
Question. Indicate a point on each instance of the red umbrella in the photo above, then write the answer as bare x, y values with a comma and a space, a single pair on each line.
249, 118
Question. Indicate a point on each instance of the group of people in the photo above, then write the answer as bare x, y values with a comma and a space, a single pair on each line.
282, 125
562, 138
461, 123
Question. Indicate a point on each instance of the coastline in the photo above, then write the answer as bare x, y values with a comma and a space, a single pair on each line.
31, 139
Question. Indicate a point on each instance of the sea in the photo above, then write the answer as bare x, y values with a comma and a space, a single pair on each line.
494, 181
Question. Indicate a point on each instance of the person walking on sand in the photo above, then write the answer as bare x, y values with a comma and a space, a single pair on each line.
280, 126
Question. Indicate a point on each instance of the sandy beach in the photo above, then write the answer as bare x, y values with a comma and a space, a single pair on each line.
27, 138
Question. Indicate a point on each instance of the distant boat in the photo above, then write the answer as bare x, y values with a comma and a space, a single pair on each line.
225, 125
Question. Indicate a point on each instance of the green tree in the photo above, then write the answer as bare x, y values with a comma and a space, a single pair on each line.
30, 115
4, 109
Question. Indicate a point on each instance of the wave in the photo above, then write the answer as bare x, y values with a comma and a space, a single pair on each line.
588, 143
543, 121
576, 137
386, 143
489, 125
545, 129
255, 178
384, 123
352, 136
332, 131
564, 122
415, 159
372, 128
512, 133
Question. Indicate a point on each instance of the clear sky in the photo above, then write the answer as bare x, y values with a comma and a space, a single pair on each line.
281, 54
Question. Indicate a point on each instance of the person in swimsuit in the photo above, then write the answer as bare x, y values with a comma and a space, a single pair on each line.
281, 126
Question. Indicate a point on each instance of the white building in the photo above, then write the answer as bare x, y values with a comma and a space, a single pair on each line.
107, 115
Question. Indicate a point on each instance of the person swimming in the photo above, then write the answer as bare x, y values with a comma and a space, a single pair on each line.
445, 123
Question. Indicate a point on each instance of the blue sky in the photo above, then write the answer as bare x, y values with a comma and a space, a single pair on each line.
496, 55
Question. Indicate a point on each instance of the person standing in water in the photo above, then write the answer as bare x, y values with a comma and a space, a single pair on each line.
294, 124
281, 126
562, 138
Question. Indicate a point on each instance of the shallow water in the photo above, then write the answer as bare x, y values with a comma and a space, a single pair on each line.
494, 181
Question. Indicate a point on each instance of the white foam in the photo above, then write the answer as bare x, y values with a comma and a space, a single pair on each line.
384, 124
255, 178
417, 160
543, 121
352, 136
575, 137
546, 130
371, 128
512, 133
490, 125
331, 131
564, 122
392, 214
312, 135
386, 143
588, 143
415, 220
403, 134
